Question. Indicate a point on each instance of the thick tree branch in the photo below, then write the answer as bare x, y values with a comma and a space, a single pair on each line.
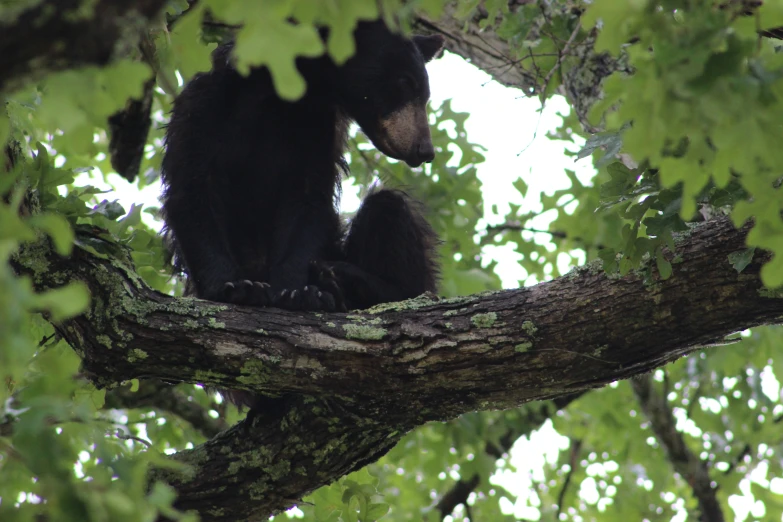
467, 353
53, 36
685, 462
352, 384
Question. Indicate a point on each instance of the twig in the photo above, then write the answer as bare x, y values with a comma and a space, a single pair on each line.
46, 339
744, 453
561, 55
693, 400
120, 435
515, 227
576, 447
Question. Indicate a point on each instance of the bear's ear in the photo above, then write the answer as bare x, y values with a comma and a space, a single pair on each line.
429, 46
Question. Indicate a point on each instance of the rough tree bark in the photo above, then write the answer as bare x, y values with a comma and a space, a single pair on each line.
350, 385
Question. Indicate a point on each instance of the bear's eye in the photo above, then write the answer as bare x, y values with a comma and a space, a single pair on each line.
407, 82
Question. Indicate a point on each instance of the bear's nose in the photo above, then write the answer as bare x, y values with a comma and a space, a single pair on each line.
425, 151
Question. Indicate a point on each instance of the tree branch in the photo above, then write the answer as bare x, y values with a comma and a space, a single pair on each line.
350, 385
685, 462
400, 349
458, 494
573, 462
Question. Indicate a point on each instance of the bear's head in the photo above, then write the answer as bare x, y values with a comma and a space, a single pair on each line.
384, 87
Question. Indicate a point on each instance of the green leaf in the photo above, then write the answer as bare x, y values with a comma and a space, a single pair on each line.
609, 258
521, 186
664, 266
741, 259
184, 51
611, 141
5, 127
772, 273
58, 229
259, 47
111, 210
64, 302
342, 22
376, 511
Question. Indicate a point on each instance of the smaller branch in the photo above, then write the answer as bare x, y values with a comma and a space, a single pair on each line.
744, 453
155, 394
694, 400
666, 385
125, 436
457, 495
561, 54
516, 226
685, 462
576, 448
46, 339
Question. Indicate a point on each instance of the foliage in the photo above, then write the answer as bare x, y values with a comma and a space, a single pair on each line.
690, 134
704, 106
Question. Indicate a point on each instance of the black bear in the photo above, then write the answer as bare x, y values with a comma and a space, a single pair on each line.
252, 181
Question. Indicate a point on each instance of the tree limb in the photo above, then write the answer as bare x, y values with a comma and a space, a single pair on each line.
350, 385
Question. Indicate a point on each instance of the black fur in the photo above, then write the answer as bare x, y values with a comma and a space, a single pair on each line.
252, 181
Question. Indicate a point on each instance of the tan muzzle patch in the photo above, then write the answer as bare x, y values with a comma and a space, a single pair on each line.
404, 132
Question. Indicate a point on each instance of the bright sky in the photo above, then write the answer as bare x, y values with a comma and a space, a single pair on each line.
513, 131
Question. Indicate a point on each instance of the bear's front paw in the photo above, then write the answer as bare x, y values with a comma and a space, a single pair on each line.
323, 276
245, 292
308, 299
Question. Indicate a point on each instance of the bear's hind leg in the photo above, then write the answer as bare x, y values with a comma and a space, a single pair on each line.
390, 252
